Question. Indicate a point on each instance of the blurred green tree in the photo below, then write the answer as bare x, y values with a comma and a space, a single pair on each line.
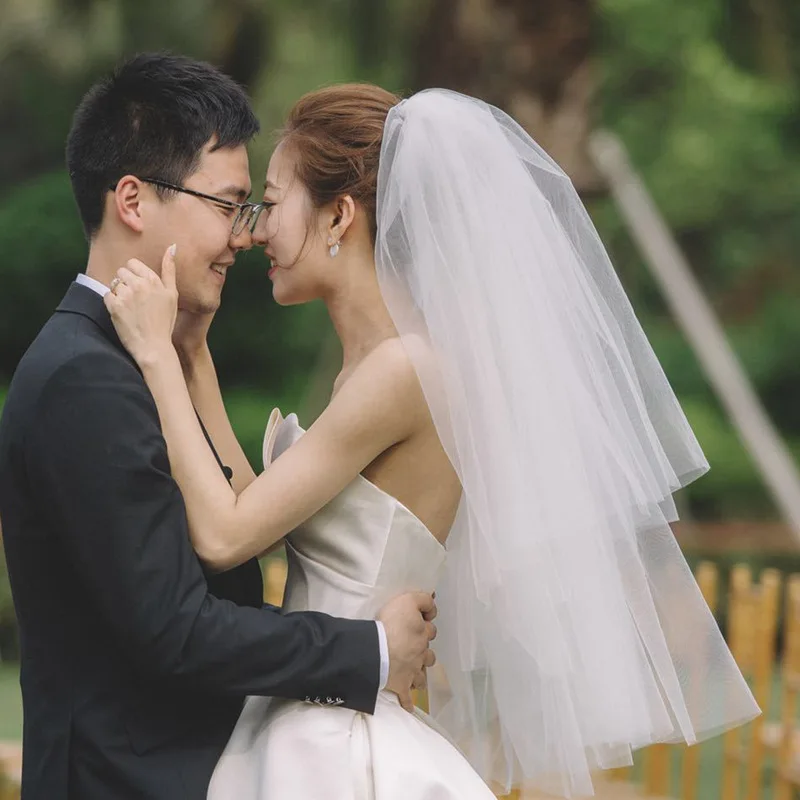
703, 92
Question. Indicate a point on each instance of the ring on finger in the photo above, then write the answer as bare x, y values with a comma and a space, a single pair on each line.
114, 283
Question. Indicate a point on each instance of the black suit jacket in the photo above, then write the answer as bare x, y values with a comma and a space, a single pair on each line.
135, 663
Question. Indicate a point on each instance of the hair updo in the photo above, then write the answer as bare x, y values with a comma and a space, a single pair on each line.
335, 134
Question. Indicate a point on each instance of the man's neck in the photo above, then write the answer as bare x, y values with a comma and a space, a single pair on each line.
104, 261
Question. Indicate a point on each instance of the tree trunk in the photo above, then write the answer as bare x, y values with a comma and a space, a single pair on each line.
773, 41
532, 58
243, 45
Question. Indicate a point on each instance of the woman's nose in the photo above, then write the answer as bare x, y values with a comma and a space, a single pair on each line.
259, 233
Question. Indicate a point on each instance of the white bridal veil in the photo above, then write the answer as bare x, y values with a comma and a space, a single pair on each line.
571, 628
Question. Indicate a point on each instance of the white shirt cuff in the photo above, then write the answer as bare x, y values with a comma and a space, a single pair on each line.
384, 646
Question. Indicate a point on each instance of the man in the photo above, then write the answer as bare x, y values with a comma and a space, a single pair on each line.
135, 662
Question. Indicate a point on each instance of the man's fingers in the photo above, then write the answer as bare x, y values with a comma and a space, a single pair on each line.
429, 659
420, 680
429, 616
425, 603
430, 631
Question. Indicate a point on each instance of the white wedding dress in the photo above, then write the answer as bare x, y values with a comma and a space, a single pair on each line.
348, 560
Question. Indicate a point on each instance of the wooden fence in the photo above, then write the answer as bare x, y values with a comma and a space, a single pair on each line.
760, 761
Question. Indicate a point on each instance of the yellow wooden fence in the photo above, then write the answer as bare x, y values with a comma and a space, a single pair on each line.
753, 616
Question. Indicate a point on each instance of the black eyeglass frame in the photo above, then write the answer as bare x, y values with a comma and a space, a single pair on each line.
248, 213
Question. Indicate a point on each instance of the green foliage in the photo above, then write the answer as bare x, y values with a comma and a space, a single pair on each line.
732, 489
711, 136
249, 412
716, 142
696, 90
45, 249
702, 92
7, 619
6, 605
11, 705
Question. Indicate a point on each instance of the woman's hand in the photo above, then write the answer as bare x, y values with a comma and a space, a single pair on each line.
143, 308
190, 337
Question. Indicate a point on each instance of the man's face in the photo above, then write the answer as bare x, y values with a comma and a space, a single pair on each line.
201, 228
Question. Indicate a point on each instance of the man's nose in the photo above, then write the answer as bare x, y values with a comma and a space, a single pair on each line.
242, 240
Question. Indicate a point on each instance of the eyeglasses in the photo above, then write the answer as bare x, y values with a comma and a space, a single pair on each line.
247, 213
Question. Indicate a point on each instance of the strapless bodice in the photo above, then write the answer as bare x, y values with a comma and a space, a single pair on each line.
360, 550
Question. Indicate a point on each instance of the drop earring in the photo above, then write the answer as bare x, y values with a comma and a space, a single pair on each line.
334, 249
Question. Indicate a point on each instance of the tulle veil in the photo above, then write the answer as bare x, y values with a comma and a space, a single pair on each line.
571, 630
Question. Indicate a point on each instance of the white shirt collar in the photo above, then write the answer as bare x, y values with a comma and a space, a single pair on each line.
92, 284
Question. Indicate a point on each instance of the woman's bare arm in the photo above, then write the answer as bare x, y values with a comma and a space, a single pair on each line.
380, 405
205, 393
376, 408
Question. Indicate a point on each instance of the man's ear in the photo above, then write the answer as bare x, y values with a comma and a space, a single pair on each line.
127, 201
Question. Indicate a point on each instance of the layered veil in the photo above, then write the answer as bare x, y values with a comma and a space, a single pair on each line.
571, 630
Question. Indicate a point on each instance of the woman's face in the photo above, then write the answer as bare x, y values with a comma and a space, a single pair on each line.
293, 235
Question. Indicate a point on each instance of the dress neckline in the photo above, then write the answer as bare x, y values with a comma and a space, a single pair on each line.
276, 420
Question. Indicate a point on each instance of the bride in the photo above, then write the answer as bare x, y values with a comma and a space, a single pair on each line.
500, 431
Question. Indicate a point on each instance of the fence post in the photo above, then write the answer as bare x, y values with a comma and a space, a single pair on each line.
767, 602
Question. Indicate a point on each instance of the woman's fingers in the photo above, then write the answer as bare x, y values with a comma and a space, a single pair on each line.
135, 267
168, 268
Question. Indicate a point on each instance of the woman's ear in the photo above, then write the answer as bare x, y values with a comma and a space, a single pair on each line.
343, 216
127, 201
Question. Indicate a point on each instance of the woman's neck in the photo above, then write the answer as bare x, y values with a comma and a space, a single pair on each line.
360, 318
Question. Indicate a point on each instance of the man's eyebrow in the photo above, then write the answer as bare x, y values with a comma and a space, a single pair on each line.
239, 192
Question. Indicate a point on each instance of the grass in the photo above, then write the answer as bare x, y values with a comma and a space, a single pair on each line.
10, 703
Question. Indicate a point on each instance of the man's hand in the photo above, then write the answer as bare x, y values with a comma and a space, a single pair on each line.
408, 622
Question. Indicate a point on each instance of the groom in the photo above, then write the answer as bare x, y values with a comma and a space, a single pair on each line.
135, 660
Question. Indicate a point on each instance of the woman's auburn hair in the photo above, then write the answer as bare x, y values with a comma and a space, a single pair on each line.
335, 135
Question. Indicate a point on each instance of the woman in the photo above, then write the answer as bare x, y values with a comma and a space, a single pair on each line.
497, 395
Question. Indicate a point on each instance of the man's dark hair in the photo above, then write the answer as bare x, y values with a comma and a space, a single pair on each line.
151, 118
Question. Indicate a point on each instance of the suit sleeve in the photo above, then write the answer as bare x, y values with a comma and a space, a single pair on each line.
99, 465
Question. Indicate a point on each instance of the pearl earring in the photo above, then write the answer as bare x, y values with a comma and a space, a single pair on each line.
334, 249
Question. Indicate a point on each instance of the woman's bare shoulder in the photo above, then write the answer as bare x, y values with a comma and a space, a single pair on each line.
389, 373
